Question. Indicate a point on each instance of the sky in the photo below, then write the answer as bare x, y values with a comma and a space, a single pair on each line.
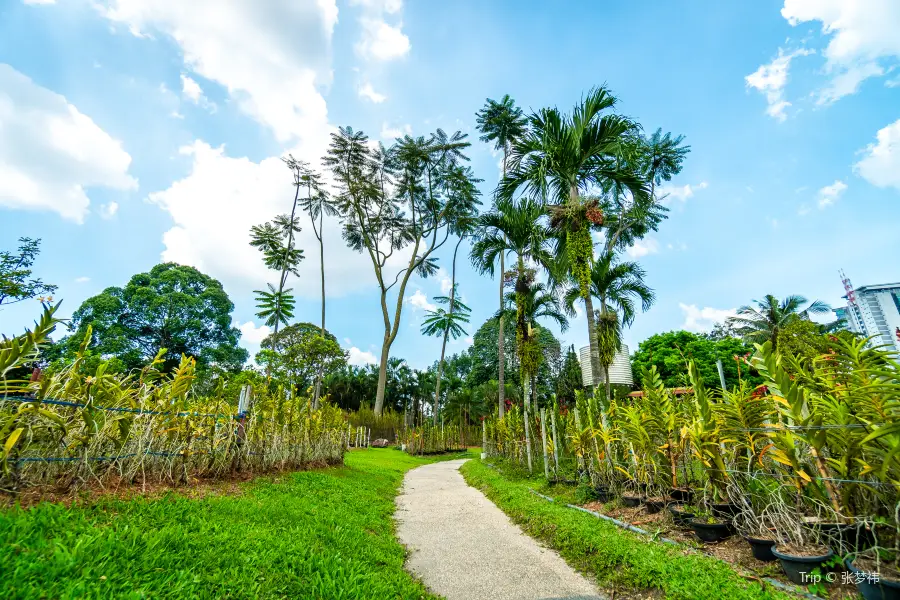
139, 131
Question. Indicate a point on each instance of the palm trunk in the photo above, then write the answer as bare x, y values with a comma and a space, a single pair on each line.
283, 279
322, 273
592, 340
500, 348
437, 387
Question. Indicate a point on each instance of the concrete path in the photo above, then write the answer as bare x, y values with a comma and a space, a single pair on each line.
465, 548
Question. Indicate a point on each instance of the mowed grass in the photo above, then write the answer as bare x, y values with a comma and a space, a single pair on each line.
619, 560
318, 534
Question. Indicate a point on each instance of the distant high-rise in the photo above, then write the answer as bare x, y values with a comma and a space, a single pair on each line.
619, 370
873, 311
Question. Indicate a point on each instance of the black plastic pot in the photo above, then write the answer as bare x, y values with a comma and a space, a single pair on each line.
725, 510
654, 506
632, 501
712, 532
883, 589
762, 549
683, 495
681, 517
795, 567
603, 493
847, 538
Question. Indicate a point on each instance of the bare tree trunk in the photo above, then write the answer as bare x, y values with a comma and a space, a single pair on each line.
592, 340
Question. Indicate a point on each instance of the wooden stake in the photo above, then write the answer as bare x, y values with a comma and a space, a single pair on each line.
555, 446
544, 442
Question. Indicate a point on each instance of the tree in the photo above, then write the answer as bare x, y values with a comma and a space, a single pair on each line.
15, 273
563, 157
765, 321
445, 323
300, 362
408, 197
175, 307
669, 352
569, 380
485, 354
317, 204
503, 124
618, 286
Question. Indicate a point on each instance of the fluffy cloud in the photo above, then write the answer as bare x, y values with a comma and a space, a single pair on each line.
108, 211
880, 164
251, 334
381, 41
770, 80
643, 248
863, 34
389, 134
191, 90
270, 55
358, 358
829, 194
670, 193
368, 92
703, 319
214, 206
420, 300
50, 152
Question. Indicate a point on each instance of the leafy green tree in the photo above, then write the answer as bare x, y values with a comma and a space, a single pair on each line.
276, 241
15, 274
299, 361
175, 307
485, 354
764, 322
669, 352
410, 196
503, 124
445, 323
561, 158
569, 380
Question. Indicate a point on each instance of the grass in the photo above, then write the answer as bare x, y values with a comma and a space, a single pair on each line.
317, 534
618, 559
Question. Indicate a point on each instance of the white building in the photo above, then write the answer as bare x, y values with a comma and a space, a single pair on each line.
874, 310
619, 370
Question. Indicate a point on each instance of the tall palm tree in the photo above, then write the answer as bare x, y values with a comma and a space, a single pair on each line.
619, 286
503, 124
446, 323
566, 156
764, 322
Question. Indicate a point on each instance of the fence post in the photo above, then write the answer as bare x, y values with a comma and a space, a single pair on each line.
544, 442
555, 446
483, 440
578, 426
369, 438
349, 429
528, 439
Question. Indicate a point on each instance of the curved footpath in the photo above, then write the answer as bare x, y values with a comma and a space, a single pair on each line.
465, 548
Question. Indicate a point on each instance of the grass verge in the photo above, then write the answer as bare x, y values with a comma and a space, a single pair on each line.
316, 534
619, 560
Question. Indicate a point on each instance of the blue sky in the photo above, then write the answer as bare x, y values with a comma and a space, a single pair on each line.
133, 131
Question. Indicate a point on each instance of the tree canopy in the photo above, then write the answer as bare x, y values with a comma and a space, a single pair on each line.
16, 283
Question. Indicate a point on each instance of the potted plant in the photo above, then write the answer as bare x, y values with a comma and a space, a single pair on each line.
682, 514
710, 528
876, 575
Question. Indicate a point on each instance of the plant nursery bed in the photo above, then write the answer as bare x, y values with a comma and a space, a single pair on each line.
734, 550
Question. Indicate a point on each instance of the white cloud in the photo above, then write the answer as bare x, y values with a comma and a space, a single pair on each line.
368, 92
880, 165
191, 90
643, 248
358, 358
670, 193
829, 194
420, 300
381, 41
388, 6
771, 79
82, 279
50, 152
389, 133
108, 211
703, 319
214, 206
251, 334
270, 55
863, 32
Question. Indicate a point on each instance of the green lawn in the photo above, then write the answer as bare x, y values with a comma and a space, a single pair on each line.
320, 534
618, 559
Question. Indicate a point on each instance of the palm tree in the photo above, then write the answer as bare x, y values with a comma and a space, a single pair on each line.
763, 322
618, 286
276, 307
503, 124
564, 156
446, 323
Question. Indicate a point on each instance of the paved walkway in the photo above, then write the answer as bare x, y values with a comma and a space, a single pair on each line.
465, 548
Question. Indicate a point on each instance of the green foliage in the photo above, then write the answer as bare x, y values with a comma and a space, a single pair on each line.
569, 380
618, 559
447, 322
300, 353
581, 255
173, 306
275, 307
669, 353
15, 274
765, 321
318, 534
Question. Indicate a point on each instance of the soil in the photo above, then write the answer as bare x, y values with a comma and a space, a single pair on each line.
734, 550
884, 569
801, 551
